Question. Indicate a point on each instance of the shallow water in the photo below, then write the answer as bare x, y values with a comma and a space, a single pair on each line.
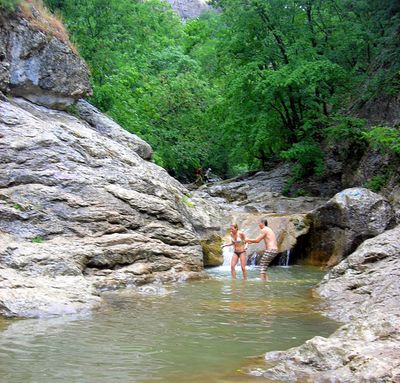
202, 331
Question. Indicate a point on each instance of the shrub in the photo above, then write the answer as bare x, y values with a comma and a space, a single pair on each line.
376, 183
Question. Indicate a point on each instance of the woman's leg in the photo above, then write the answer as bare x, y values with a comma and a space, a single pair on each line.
234, 261
243, 261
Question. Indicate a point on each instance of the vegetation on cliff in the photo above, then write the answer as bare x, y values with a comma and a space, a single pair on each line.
258, 81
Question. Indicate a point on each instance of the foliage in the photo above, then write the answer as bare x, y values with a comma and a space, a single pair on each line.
17, 206
376, 183
308, 158
9, 4
385, 137
236, 89
37, 239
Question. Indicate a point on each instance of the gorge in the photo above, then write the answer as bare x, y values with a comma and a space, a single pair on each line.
85, 214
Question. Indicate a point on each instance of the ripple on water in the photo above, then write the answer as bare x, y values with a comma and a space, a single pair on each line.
191, 332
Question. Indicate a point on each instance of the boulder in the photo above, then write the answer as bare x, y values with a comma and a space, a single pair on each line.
39, 66
344, 222
212, 251
78, 203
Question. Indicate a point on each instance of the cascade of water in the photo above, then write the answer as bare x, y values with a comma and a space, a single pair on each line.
227, 252
252, 259
284, 258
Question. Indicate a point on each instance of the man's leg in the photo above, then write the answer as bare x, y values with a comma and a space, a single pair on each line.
266, 259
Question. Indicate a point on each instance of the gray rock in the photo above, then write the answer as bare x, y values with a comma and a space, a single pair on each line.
107, 127
189, 9
78, 205
40, 68
344, 222
363, 290
260, 193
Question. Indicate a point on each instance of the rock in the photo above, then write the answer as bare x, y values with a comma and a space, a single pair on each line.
344, 222
260, 193
367, 280
212, 251
363, 290
39, 67
107, 127
189, 9
79, 205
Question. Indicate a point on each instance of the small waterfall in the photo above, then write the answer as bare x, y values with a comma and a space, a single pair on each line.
227, 252
284, 258
252, 261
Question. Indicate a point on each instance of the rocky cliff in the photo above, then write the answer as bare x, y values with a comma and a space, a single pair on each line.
38, 66
82, 209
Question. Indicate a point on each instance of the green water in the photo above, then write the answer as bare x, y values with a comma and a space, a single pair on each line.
202, 331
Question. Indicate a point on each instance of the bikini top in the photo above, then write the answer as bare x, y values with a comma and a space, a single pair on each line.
238, 241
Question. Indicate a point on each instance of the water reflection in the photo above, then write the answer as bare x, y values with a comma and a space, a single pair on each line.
199, 331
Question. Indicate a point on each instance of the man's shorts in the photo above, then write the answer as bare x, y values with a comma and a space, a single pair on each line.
266, 259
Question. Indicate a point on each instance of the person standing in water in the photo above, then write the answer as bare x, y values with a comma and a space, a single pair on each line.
271, 247
238, 241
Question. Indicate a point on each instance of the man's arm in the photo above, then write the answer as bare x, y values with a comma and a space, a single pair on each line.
258, 239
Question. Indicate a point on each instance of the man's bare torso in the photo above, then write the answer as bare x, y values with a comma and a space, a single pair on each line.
269, 239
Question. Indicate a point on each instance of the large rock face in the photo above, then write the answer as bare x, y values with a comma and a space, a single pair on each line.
363, 290
344, 222
39, 67
81, 210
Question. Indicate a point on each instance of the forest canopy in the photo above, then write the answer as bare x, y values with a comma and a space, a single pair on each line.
233, 90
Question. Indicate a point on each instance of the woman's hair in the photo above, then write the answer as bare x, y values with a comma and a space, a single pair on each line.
235, 226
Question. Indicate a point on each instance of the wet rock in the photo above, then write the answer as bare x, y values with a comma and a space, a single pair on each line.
212, 251
344, 222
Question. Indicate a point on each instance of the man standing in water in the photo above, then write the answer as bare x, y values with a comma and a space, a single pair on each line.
271, 247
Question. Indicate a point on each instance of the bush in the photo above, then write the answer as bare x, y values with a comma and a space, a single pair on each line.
384, 137
376, 183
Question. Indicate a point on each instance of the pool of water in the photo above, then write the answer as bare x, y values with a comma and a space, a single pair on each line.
202, 331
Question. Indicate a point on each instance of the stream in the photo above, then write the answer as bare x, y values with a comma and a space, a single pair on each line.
199, 331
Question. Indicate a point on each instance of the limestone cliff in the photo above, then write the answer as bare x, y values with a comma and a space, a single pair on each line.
82, 210
39, 66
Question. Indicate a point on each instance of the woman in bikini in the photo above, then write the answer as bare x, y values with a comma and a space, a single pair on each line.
238, 240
